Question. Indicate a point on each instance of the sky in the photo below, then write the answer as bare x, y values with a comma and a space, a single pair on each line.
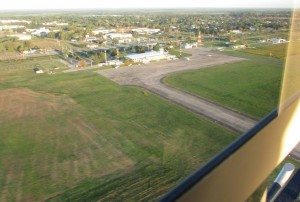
82, 4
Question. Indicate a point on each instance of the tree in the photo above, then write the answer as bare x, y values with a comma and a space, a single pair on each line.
128, 62
95, 58
102, 57
122, 55
156, 47
52, 35
20, 48
82, 63
27, 45
113, 52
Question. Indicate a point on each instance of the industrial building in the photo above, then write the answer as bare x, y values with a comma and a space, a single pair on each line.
103, 31
121, 37
145, 30
41, 32
150, 56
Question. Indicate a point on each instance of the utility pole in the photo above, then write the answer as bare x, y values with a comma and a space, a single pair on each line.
180, 49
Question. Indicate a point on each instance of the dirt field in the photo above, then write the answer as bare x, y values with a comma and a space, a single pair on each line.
10, 56
34, 129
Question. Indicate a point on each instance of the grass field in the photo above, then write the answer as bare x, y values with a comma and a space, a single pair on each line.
81, 137
177, 53
250, 87
47, 63
276, 50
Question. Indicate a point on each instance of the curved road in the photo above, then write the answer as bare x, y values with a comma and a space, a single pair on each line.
149, 76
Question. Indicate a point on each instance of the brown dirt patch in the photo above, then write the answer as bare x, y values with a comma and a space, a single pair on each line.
20, 103
10, 56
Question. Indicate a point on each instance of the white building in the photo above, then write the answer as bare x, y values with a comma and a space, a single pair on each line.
10, 27
236, 31
121, 37
103, 31
276, 41
21, 37
145, 30
40, 32
30, 30
55, 23
39, 72
238, 47
114, 62
31, 51
92, 46
189, 45
90, 38
14, 21
150, 56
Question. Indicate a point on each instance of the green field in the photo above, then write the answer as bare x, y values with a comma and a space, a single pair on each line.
250, 87
81, 137
276, 50
46, 63
273, 53
177, 53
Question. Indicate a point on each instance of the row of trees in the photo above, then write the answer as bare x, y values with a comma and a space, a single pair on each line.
12, 44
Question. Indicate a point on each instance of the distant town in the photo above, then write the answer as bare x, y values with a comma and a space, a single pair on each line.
104, 39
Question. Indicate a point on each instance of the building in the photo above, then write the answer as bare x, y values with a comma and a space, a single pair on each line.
31, 51
55, 23
236, 31
41, 32
38, 70
21, 37
114, 62
90, 39
103, 31
10, 27
238, 47
146, 31
92, 46
14, 21
276, 40
150, 56
189, 45
120, 37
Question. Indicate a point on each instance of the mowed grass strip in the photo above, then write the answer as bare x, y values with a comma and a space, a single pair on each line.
250, 87
275, 50
67, 129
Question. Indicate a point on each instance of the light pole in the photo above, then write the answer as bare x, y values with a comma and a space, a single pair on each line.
180, 49
105, 56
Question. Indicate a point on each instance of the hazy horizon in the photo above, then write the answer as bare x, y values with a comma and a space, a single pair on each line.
134, 4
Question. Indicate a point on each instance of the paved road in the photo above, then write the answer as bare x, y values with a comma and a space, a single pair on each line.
149, 76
